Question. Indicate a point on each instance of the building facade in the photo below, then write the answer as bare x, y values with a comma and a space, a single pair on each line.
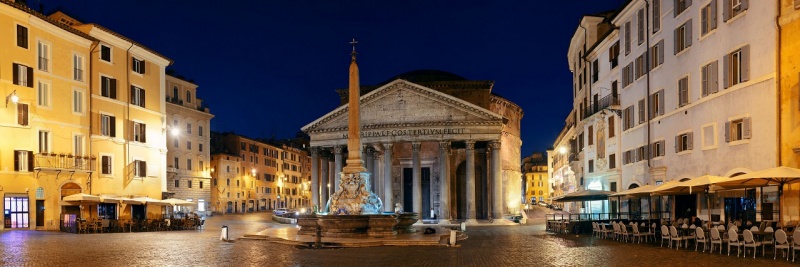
105, 134
188, 142
692, 78
536, 178
433, 136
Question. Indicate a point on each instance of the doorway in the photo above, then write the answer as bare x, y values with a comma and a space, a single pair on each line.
39, 212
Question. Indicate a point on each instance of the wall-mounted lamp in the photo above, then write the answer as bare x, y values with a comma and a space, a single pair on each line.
13, 97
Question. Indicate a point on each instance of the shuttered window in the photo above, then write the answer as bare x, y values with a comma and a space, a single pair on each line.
627, 36
108, 87
657, 54
683, 37
22, 75
22, 114
708, 18
731, 8
683, 142
108, 125
710, 83
23, 161
656, 15
683, 91
642, 111
736, 67
22, 36
738, 129
640, 26
105, 164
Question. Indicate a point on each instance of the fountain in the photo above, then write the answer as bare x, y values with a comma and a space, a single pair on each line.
352, 210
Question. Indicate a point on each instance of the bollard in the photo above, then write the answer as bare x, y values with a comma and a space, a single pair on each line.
452, 237
224, 234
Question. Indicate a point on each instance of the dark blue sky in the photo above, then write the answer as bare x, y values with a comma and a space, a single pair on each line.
267, 68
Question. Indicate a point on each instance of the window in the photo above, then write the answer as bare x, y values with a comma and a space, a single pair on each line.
683, 91
580, 147
177, 183
731, 8
709, 75
736, 67
642, 113
43, 53
137, 96
627, 75
22, 114
139, 132
590, 135
44, 141
641, 153
137, 65
188, 96
641, 65
591, 165
23, 75
627, 29
708, 18
640, 27
611, 127
738, 129
105, 53
657, 104
77, 101
189, 183
656, 15
201, 166
200, 130
683, 36
139, 168
43, 99
188, 128
200, 147
683, 142
189, 145
595, 70
612, 161
77, 67
613, 55
627, 118
175, 143
23, 160
78, 145
709, 136
657, 149
189, 164
108, 87
108, 125
22, 36
105, 164
657, 54
681, 5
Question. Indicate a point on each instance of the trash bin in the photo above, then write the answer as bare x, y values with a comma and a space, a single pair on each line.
224, 234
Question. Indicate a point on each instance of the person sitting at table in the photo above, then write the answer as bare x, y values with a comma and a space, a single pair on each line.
696, 221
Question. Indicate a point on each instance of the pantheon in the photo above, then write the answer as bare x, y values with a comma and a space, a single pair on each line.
460, 140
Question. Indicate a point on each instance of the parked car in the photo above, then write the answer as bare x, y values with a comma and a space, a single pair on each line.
543, 204
280, 211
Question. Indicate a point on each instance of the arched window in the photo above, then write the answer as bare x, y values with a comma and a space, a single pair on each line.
39, 193
188, 96
175, 92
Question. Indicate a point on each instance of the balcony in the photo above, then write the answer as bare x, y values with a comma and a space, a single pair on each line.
64, 162
174, 100
611, 101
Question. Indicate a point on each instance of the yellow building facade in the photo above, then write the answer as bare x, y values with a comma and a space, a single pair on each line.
789, 100
536, 178
84, 113
44, 122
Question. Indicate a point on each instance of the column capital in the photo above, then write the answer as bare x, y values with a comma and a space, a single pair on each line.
416, 146
470, 144
338, 149
444, 145
387, 145
494, 144
314, 150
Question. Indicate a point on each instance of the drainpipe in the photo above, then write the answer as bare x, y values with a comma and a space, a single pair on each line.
778, 84
647, 64
94, 46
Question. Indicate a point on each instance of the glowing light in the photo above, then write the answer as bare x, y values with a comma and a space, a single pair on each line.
175, 132
562, 150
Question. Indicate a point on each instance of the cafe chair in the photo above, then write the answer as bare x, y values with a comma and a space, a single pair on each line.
716, 239
673, 236
665, 236
782, 243
749, 242
733, 241
700, 237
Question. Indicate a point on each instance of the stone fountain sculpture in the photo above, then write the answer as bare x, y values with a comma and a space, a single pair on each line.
353, 196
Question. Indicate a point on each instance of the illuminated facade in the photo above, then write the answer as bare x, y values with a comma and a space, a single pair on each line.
692, 78
789, 105
188, 144
105, 134
536, 178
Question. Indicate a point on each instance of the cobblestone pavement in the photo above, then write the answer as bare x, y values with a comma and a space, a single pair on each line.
526, 245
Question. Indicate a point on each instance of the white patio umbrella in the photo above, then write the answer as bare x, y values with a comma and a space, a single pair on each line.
699, 184
779, 176
178, 202
82, 198
151, 201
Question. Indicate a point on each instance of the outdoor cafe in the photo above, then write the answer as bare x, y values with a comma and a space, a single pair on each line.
84, 213
742, 212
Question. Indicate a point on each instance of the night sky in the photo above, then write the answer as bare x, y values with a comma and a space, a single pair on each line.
267, 68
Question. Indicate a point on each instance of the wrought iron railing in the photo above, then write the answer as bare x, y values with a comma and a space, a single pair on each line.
64, 162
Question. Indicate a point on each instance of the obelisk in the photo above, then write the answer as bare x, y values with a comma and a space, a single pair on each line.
353, 196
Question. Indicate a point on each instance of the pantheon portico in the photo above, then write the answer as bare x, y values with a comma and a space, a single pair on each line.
432, 140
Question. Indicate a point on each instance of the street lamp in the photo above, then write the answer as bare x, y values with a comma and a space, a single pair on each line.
13, 97
562, 150
175, 132
280, 189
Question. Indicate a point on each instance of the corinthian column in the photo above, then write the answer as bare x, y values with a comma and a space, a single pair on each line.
497, 185
314, 177
444, 183
337, 150
471, 218
417, 178
388, 204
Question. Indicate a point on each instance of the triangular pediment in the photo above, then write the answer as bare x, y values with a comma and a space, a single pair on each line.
403, 103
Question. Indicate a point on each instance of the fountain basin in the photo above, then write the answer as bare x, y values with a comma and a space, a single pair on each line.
405, 220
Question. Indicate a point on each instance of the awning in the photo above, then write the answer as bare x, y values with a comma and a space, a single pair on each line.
82, 198
151, 201
641, 191
585, 195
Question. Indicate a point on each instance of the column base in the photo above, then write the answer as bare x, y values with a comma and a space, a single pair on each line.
472, 221
444, 221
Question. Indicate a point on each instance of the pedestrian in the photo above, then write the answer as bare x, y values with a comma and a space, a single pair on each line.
433, 214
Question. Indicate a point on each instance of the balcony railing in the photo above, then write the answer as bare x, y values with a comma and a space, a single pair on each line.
606, 101
66, 162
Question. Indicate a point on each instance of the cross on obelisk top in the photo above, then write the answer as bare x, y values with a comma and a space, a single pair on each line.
353, 43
